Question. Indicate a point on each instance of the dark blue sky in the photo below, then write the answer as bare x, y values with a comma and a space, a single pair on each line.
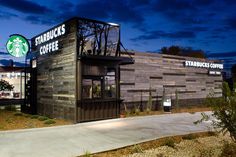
146, 25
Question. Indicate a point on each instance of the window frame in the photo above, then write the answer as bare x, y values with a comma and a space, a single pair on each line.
102, 83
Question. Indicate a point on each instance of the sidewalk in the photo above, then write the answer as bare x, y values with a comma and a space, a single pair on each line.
75, 140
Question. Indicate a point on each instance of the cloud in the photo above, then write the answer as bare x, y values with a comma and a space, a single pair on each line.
168, 5
138, 3
187, 12
199, 28
175, 10
41, 20
121, 10
3, 53
6, 15
62, 11
96, 9
7, 56
217, 36
203, 2
115, 11
162, 34
229, 2
229, 58
222, 54
231, 22
24, 6
64, 5
6, 62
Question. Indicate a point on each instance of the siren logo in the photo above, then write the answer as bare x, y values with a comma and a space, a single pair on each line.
17, 46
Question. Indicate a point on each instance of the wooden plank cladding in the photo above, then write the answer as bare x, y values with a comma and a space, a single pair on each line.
170, 86
191, 80
56, 78
186, 91
173, 57
141, 90
155, 77
55, 69
127, 53
126, 69
126, 83
166, 74
174, 74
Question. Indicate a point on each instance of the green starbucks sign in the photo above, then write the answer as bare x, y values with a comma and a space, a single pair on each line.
17, 45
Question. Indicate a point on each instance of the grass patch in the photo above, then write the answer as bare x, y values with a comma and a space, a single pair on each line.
34, 116
189, 137
86, 154
169, 142
206, 152
10, 108
49, 121
187, 109
26, 115
212, 133
30, 125
18, 114
137, 149
229, 150
42, 118
10, 120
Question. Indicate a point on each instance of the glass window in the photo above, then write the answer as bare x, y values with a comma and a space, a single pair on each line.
98, 38
87, 89
112, 41
96, 88
110, 84
91, 88
12, 85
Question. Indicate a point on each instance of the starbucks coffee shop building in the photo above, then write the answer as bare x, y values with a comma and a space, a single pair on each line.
82, 75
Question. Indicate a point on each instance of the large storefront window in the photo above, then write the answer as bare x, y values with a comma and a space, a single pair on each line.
16, 80
98, 82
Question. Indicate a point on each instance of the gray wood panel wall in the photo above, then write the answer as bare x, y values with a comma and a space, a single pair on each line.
157, 72
56, 78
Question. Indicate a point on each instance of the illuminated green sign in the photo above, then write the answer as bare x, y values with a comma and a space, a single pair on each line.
17, 46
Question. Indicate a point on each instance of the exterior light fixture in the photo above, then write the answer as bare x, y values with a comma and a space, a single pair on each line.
113, 24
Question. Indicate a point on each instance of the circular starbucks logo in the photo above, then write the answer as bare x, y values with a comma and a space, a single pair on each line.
17, 45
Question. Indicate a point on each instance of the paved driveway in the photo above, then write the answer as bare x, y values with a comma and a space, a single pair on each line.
74, 140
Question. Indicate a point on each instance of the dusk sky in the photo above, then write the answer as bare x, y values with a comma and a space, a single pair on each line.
146, 25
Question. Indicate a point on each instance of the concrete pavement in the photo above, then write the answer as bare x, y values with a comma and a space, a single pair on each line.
74, 140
